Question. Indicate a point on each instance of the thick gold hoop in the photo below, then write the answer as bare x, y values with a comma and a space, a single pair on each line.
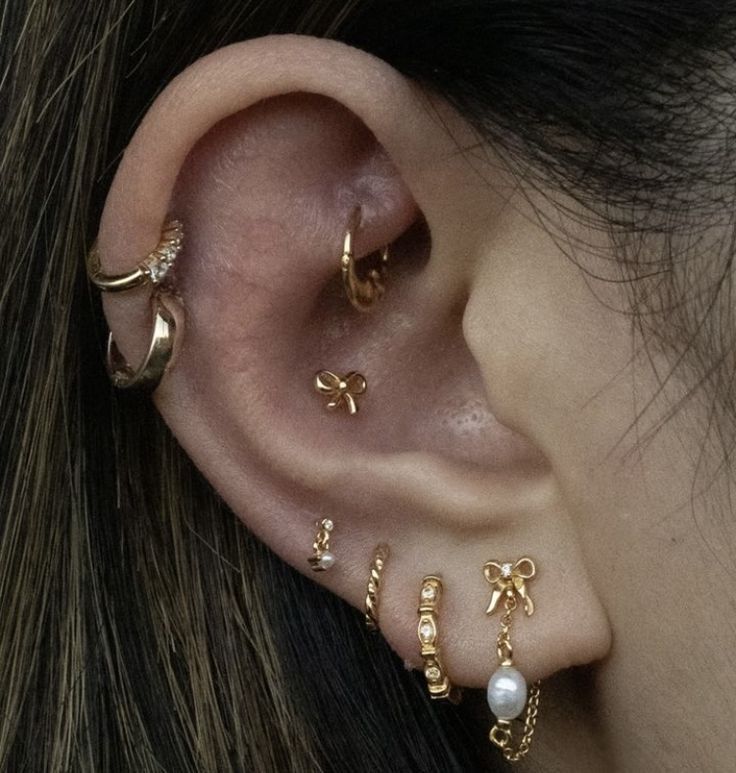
149, 373
362, 292
152, 269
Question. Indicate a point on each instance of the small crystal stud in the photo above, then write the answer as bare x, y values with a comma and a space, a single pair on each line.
432, 674
506, 570
426, 631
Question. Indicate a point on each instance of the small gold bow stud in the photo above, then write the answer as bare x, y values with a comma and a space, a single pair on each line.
508, 578
342, 390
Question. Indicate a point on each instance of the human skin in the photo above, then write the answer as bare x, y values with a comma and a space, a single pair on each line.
502, 416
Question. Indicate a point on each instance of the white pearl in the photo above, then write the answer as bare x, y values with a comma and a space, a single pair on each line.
507, 692
326, 560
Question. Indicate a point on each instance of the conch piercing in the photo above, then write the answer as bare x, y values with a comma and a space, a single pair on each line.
341, 390
322, 559
438, 683
152, 269
507, 690
362, 292
159, 357
372, 596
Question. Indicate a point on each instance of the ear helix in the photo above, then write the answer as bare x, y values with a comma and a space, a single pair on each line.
154, 269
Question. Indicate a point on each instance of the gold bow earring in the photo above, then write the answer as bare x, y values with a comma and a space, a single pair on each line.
507, 577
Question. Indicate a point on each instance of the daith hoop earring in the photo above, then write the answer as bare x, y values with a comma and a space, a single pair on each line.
362, 292
507, 691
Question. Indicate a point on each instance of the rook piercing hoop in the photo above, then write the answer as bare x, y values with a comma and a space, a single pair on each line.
342, 390
507, 691
322, 559
438, 683
361, 292
372, 597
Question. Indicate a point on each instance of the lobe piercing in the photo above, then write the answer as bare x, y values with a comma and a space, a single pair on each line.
438, 683
372, 597
322, 559
341, 390
507, 689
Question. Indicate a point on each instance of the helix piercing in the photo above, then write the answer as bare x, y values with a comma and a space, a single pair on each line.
152, 269
322, 559
362, 292
372, 596
507, 689
341, 390
157, 360
438, 683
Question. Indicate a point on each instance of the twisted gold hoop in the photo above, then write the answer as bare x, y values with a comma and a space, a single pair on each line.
362, 292
438, 682
372, 597
160, 351
152, 269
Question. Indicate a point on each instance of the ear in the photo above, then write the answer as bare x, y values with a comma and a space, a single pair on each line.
263, 149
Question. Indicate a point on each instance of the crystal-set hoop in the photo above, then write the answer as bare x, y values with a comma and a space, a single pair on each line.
507, 689
152, 269
438, 682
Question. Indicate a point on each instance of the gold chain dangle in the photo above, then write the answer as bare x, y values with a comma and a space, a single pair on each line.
507, 688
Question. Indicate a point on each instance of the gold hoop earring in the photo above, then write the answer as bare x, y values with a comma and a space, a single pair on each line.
507, 689
438, 682
152, 269
373, 591
157, 360
362, 292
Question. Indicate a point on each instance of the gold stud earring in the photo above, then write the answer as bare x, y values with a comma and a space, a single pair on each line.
362, 292
322, 558
372, 596
507, 689
438, 682
341, 390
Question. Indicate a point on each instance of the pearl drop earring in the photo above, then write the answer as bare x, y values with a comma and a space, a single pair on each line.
507, 689
322, 559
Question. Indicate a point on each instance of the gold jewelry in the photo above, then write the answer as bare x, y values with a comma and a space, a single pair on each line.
152, 269
507, 691
361, 292
438, 683
380, 556
160, 350
342, 390
322, 559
